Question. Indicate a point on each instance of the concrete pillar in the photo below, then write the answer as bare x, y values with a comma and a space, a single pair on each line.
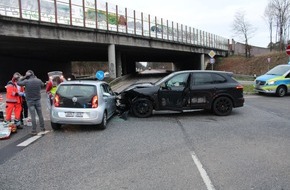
112, 61
119, 64
202, 62
173, 67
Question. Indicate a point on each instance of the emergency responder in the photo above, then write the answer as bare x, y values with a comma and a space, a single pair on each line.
14, 95
51, 87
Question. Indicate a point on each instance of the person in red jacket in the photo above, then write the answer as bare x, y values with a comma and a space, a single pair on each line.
14, 95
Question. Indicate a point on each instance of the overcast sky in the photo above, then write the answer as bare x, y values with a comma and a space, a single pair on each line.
212, 16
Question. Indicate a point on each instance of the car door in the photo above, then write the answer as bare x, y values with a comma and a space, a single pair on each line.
202, 88
172, 92
109, 98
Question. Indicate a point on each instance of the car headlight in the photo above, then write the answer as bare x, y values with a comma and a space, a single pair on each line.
271, 82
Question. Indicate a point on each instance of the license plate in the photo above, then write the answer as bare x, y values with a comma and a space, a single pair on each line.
74, 114
69, 114
79, 114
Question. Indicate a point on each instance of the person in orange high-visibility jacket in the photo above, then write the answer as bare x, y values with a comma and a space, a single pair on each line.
14, 95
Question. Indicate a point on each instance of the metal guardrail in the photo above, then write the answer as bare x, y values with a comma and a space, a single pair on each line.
101, 15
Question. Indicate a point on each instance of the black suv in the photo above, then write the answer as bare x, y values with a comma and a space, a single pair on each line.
184, 90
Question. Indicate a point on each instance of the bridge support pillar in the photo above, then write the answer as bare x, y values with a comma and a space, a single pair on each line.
202, 66
119, 64
112, 60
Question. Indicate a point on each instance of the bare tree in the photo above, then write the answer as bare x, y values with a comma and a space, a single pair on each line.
243, 29
269, 16
281, 9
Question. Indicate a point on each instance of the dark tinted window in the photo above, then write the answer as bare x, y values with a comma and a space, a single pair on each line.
218, 78
202, 79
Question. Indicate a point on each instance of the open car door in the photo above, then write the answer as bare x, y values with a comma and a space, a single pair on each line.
173, 92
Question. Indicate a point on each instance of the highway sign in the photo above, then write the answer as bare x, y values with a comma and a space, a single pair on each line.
100, 75
211, 53
212, 60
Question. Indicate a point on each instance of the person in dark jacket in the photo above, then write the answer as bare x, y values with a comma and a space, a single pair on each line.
33, 87
24, 112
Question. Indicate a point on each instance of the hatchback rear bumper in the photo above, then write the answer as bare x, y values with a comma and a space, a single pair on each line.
91, 117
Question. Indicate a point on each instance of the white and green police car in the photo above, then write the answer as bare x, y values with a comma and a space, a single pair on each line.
275, 81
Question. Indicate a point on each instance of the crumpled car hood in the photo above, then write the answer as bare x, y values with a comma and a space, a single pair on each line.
138, 85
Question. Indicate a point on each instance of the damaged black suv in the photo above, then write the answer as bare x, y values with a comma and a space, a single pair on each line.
184, 90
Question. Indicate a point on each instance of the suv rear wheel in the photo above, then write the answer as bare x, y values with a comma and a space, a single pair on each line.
142, 107
222, 106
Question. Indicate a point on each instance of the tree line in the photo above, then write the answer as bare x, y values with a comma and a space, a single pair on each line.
277, 18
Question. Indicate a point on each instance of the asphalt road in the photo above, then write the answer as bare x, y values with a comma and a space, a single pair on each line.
197, 150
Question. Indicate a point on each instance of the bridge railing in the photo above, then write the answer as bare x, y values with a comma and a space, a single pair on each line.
101, 15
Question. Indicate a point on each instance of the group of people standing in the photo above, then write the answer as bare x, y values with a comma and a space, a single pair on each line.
23, 94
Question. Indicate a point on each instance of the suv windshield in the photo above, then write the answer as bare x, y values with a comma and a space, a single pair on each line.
279, 70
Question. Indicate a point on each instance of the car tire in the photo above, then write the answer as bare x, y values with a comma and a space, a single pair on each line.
142, 108
103, 125
222, 106
55, 126
281, 91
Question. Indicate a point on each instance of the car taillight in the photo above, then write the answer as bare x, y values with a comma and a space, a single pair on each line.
56, 100
95, 102
239, 87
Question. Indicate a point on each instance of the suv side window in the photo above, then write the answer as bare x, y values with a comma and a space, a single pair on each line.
177, 81
202, 79
218, 79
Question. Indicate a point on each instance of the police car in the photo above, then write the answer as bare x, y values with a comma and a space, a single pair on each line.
275, 81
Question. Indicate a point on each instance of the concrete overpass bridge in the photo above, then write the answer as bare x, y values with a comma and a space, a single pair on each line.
45, 35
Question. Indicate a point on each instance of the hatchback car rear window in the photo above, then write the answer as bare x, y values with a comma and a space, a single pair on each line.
77, 90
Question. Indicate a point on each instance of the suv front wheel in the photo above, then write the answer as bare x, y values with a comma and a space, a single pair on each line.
142, 107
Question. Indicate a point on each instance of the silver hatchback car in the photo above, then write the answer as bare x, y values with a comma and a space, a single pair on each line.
82, 102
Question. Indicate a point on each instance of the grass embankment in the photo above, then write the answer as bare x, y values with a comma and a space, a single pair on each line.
252, 66
248, 89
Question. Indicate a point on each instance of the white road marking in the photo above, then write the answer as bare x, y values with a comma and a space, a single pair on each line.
32, 139
202, 172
